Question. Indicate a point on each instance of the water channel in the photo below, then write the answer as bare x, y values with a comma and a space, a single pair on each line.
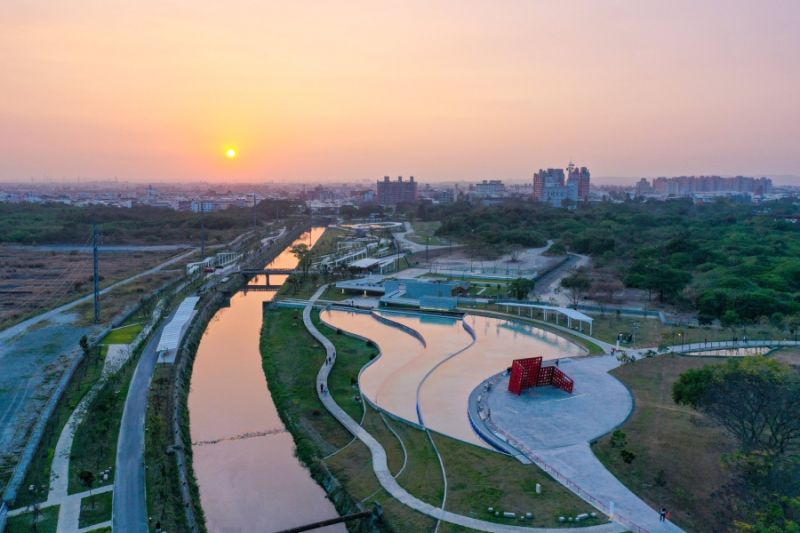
244, 461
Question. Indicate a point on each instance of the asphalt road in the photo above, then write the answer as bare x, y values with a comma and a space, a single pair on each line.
130, 505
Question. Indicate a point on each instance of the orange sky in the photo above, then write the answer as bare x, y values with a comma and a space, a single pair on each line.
332, 90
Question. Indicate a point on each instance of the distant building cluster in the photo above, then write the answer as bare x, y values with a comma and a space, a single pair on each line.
554, 187
694, 185
397, 192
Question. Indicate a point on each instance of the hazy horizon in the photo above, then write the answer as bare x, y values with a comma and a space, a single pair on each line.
444, 90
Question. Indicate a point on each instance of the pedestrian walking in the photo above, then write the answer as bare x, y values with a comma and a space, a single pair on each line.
321, 389
662, 516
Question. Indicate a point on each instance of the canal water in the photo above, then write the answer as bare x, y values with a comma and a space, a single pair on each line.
244, 461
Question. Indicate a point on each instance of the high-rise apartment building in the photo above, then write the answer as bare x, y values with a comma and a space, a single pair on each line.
690, 185
581, 178
549, 186
397, 192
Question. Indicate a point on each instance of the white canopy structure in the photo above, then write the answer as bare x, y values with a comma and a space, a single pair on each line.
570, 314
173, 332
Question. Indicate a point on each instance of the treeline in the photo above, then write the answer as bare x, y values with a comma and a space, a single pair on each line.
55, 223
728, 261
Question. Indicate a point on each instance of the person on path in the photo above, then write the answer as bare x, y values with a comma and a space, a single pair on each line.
662, 516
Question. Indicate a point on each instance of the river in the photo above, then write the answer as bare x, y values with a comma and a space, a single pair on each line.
244, 461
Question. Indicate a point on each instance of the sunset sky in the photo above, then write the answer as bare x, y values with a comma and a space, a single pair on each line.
338, 90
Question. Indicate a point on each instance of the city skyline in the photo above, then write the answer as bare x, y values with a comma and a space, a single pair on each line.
355, 90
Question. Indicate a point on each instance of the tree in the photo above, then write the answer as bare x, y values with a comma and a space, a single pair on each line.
752, 398
87, 479
577, 284
303, 254
521, 287
84, 342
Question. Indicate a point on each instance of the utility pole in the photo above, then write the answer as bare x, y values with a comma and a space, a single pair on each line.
96, 265
202, 234
254, 210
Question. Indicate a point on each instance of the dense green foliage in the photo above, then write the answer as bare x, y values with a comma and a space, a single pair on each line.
751, 397
58, 223
734, 262
754, 400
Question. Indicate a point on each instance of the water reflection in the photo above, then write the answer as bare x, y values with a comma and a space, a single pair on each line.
392, 382
249, 478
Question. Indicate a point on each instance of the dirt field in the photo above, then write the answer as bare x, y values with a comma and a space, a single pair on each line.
33, 280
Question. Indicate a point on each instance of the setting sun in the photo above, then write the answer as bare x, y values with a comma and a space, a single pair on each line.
230, 153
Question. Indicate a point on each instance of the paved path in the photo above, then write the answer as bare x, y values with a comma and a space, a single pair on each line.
548, 287
69, 510
130, 505
381, 468
557, 431
416, 247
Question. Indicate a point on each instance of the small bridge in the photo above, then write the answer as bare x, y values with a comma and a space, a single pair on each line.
731, 344
266, 272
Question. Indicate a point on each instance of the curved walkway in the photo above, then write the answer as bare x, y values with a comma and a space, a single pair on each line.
380, 465
558, 429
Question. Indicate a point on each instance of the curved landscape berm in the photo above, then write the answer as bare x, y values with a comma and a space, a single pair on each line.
379, 461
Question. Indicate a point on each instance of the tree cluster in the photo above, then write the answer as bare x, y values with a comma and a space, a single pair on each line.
729, 261
754, 399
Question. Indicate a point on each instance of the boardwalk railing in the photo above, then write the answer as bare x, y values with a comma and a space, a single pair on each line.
731, 344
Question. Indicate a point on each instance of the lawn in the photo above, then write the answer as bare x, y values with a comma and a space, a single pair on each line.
351, 355
291, 361
334, 294
164, 501
479, 478
94, 446
95, 509
475, 475
46, 521
677, 450
124, 334
651, 332
425, 233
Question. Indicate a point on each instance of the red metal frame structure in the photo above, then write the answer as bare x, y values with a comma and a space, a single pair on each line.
526, 373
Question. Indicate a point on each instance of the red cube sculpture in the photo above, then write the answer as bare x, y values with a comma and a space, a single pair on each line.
526, 373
